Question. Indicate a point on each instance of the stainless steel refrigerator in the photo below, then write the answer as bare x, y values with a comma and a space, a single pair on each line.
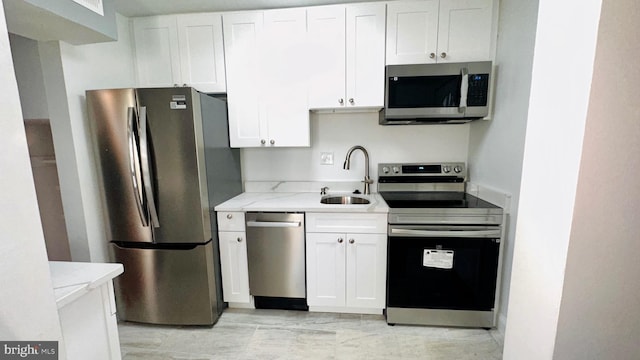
164, 162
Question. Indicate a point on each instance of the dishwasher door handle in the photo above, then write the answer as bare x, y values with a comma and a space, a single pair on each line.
274, 224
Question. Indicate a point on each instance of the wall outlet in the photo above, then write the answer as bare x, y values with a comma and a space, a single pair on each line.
326, 158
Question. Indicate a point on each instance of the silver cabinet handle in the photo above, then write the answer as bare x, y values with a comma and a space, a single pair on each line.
273, 223
351, 241
443, 55
341, 101
239, 239
146, 168
351, 101
340, 240
272, 142
432, 56
229, 216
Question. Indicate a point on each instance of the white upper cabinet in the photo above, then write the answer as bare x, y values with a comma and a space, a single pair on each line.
201, 52
346, 65
242, 38
156, 46
180, 50
284, 100
422, 32
465, 31
412, 32
365, 55
327, 69
266, 78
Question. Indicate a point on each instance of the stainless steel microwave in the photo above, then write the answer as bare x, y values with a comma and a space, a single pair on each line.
436, 93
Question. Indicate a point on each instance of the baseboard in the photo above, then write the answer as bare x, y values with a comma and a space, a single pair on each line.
345, 310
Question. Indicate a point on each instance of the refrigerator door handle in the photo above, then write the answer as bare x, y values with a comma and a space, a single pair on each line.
146, 169
134, 165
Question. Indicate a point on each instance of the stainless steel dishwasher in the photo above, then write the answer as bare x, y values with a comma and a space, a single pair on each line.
276, 254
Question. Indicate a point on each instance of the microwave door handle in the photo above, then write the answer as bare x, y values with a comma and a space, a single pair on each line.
146, 168
464, 90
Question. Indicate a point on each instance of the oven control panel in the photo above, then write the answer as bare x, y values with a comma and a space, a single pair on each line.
427, 170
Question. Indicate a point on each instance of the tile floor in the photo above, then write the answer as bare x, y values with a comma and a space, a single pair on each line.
280, 334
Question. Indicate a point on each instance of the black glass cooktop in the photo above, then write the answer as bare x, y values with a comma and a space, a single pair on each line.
434, 199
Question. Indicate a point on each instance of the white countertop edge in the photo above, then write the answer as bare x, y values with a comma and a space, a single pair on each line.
71, 280
492, 195
298, 201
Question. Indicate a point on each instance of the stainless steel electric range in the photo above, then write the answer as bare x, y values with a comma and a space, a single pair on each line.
444, 247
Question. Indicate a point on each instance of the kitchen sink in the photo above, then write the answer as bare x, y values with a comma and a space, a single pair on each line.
344, 200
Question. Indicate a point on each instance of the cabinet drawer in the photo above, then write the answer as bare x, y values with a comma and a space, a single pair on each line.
230, 221
345, 222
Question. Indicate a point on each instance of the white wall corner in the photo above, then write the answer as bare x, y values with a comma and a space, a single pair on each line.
66, 152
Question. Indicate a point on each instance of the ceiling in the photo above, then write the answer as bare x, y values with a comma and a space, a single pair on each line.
132, 8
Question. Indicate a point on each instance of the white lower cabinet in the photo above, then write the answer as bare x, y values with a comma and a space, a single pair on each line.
235, 271
346, 271
233, 257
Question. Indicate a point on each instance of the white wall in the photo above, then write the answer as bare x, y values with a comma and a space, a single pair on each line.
69, 71
27, 306
564, 53
600, 309
496, 147
29, 75
336, 133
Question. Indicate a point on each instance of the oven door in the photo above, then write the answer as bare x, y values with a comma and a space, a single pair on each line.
443, 267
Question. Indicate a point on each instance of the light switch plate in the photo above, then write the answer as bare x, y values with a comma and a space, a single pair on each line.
326, 158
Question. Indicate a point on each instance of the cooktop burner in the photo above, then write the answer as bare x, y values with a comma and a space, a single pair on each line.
432, 193
433, 199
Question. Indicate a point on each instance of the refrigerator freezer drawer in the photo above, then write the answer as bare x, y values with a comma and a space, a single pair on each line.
173, 286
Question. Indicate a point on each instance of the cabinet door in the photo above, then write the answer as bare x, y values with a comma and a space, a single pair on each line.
465, 30
201, 51
325, 269
326, 32
242, 39
284, 99
366, 270
156, 43
234, 266
412, 32
365, 55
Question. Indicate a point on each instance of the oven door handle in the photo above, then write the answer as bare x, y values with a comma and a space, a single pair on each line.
447, 233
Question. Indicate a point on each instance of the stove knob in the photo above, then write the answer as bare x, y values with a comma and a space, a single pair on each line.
385, 169
446, 169
457, 169
396, 170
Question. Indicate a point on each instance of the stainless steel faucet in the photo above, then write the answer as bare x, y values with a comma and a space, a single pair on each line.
347, 165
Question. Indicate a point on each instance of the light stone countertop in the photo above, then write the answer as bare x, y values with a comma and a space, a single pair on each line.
299, 201
71, 280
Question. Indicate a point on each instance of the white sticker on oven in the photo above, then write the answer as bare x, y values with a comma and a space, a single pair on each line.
441, 259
